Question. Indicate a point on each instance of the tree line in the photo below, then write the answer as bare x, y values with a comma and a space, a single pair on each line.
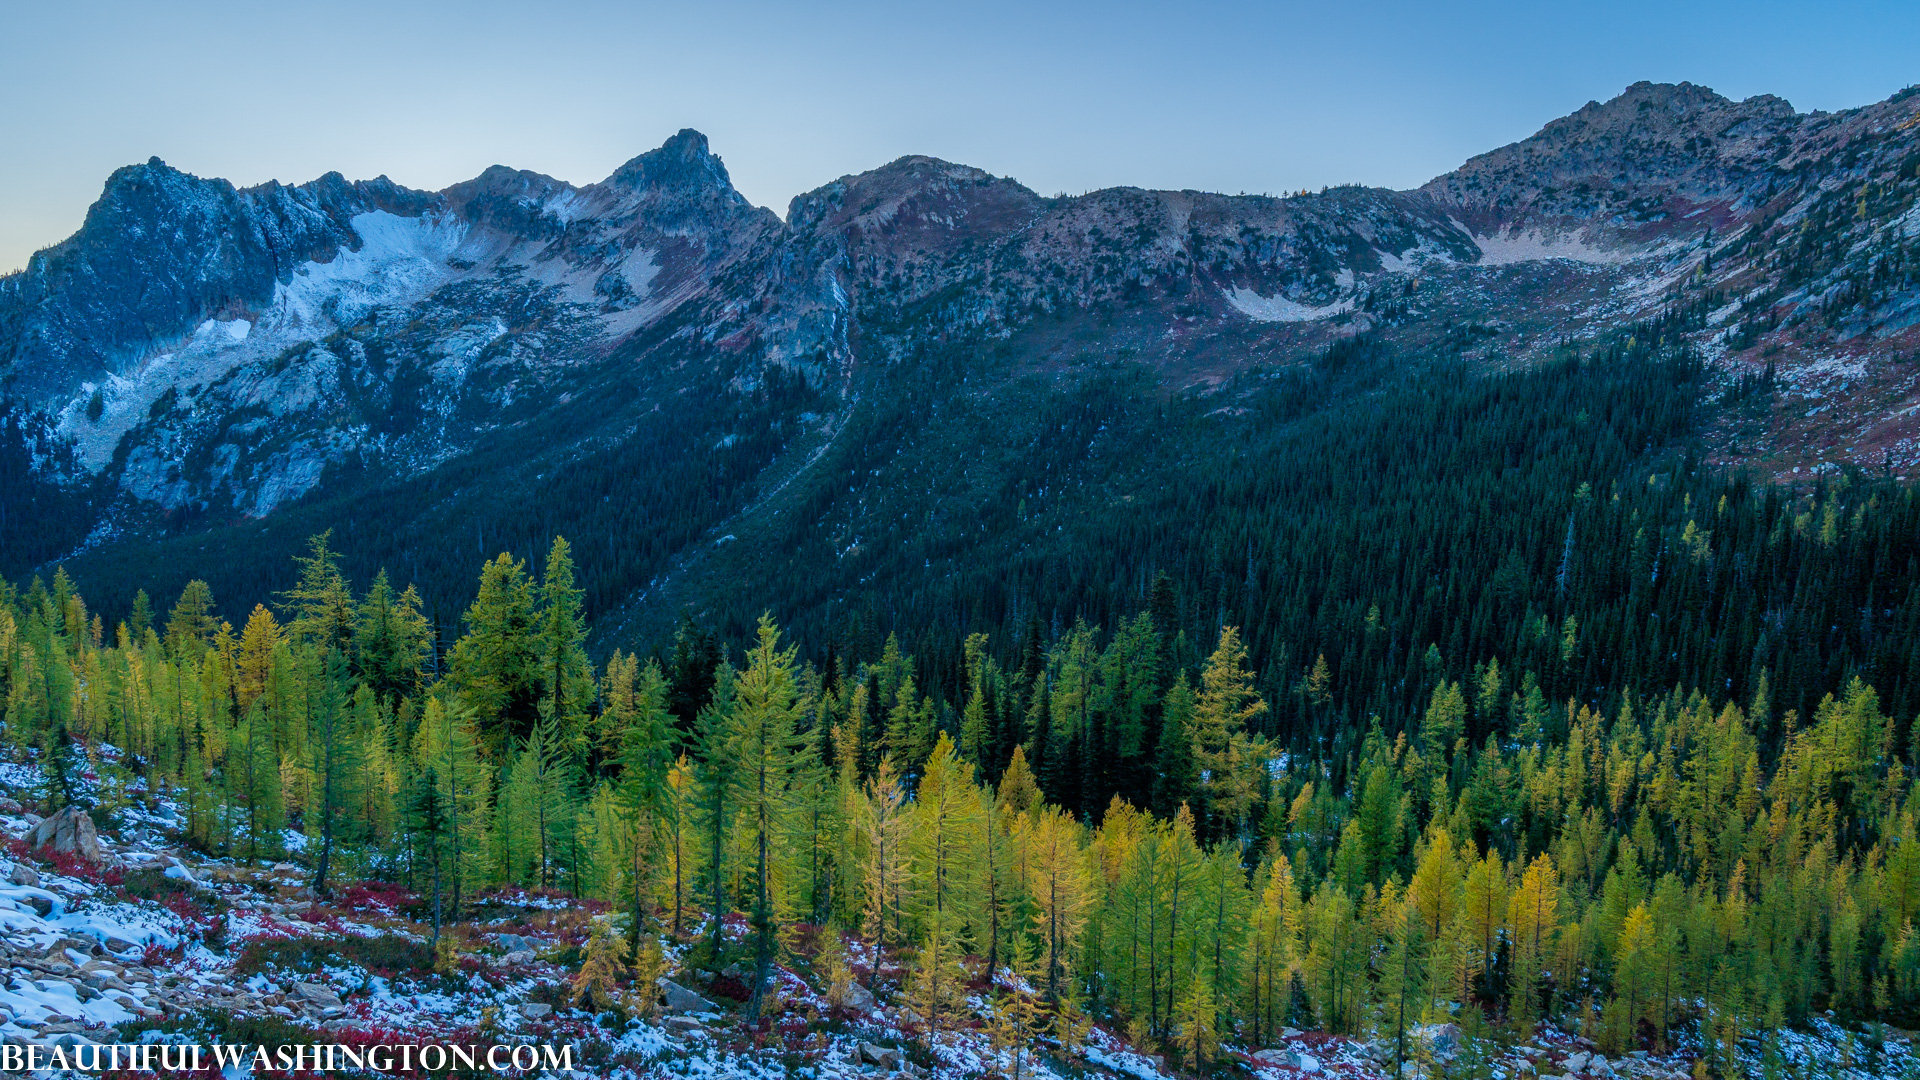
1105, 816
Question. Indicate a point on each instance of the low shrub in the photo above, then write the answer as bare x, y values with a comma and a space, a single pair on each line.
387, 956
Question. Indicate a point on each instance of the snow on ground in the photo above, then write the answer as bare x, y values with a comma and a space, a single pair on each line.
91, 958
1280, 309
1531, 245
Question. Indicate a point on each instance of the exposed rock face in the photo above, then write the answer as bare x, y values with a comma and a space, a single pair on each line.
200, 352
69, 832
679, 999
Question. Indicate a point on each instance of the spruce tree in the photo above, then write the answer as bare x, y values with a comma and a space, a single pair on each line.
767, 751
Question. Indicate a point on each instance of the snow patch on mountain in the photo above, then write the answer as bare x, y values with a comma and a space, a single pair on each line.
1512, 245
1278, 308
400, 259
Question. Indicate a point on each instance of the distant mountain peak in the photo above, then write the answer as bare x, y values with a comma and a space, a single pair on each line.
682, 163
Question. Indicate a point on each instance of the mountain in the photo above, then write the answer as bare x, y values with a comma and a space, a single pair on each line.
922, 369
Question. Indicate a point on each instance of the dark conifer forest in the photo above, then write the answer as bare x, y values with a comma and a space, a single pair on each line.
1475, 693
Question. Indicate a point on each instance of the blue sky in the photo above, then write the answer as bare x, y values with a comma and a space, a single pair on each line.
1226, 96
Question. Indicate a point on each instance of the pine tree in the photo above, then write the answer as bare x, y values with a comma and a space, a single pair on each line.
336, 763
191, 622
943, 838
1177, 781
1014, 1017
648, 746
1196, 1022
253, 788
597, 985
884, 823
1057, 880
448, 747
1272, 934
936, 987
426, 828
1533, 915
497, 665
321, 603
768, 751
715, 774
1225, 746
566, 676
391, 641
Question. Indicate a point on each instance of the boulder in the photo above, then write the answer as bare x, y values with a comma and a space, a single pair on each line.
70, 831
884, 1056
315, 994
1577, 1061
24, 875
1443, 1040
534, 1010
679, 999
519, 956
860, 999
514, 943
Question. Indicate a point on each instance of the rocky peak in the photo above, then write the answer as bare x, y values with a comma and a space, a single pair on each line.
1654, 144
512, 200
682, 165
916, 207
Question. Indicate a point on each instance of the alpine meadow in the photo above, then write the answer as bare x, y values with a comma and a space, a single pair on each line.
1465, 632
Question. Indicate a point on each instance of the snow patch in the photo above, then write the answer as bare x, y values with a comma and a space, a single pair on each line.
1534, 245
400, 258
1278, 308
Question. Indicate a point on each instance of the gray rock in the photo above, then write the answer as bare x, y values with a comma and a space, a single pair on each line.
534, 1010
521, 956
514, 943
1442, 1039
1281, 1057
679, 999
884, 1056
24, 875
71, 832
315, 994
860, 999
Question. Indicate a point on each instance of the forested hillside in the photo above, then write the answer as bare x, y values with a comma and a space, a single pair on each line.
1431, 626
935, 401
1656, 802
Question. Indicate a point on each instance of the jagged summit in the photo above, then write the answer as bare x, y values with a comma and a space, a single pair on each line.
683, 162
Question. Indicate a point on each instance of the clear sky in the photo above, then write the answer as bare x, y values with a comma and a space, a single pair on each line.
1226, 96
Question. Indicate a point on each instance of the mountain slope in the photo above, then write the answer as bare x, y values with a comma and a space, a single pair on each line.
673, 378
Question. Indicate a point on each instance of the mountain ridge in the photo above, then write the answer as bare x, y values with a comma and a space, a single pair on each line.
199, 356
